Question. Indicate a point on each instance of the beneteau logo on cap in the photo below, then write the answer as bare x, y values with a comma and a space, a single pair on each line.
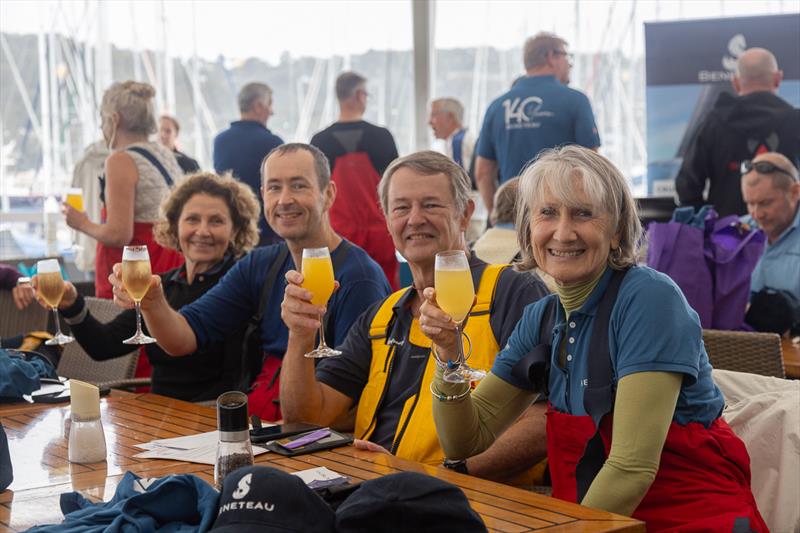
243, 487
242, 490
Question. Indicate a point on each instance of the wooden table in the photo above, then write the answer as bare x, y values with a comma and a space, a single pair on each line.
38, 443
791, 358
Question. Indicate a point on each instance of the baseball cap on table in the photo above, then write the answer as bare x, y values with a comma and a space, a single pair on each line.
407, 502
267, 500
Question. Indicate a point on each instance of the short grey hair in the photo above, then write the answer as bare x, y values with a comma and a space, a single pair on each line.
133, 102
347, 83
555, 171
428, 163
452, 106
321, 167
538, 47
252, 93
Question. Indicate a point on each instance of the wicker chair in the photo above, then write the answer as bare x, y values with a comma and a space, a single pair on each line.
117, 372
14, 322
756, 353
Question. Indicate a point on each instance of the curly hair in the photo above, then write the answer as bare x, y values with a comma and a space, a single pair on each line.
556, 171
134, 103
239, 198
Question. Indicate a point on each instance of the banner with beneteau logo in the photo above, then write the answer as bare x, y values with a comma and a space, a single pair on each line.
689, 64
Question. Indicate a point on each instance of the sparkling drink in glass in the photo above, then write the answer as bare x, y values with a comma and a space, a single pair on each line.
136, 276
455, 293
50, 286
317, 271
74, 198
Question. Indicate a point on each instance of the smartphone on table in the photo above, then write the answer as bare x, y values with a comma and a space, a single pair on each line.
279, 431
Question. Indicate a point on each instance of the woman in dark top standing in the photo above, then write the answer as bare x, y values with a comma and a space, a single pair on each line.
212, 221
168, 129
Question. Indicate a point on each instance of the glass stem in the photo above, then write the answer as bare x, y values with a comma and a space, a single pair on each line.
138, 306
58, 324
459, 345
322, 333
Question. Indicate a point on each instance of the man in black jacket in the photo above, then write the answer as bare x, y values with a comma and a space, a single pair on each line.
738, 128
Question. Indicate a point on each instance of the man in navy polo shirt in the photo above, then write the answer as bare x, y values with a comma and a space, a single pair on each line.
539, 112
297, 193
242, 147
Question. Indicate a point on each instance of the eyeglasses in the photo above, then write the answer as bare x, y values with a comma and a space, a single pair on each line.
568, 55
763, 167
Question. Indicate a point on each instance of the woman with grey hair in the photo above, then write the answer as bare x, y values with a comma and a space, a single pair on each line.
138, 175
617, 341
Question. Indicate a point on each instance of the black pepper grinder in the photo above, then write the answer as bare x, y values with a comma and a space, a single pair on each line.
233, 450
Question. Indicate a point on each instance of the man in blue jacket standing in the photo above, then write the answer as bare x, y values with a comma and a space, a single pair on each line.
243, 146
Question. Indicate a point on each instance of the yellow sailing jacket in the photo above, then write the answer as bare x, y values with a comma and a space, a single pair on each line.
415, 438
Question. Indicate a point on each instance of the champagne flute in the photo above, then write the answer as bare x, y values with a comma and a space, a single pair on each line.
136, 279
317, 272
454, 295
50, 286
74, 199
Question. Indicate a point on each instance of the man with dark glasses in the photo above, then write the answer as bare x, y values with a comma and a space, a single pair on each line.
739, 127
771, 191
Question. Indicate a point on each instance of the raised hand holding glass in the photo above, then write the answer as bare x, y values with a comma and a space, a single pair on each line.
136, 276
317, 271
454, 295
50, 286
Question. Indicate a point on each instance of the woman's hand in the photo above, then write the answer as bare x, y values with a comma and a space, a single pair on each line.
153, 297
75, 219
438, 326
69, 297
298, 313
24, 293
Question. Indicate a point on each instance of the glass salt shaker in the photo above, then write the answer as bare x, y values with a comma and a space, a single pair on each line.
87, 442
233, 450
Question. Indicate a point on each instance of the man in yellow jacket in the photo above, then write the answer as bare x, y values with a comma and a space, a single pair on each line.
386, 362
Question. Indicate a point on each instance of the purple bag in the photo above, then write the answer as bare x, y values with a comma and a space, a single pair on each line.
678, 250
733, 249
712, 266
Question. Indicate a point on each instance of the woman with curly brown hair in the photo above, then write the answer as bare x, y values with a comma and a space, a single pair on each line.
138, 175
212, 221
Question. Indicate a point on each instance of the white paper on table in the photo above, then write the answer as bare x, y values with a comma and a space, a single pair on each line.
188, 442
200, 448
204, 454
319, 474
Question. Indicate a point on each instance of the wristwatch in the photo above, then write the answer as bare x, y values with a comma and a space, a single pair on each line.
459, 465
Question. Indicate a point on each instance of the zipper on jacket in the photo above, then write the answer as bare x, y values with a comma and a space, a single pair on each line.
399, 435
390, 363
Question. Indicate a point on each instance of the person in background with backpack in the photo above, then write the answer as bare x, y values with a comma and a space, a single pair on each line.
358, 153
297, 194
739, 128
617, 341
138, 175
446, 119
211, 220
